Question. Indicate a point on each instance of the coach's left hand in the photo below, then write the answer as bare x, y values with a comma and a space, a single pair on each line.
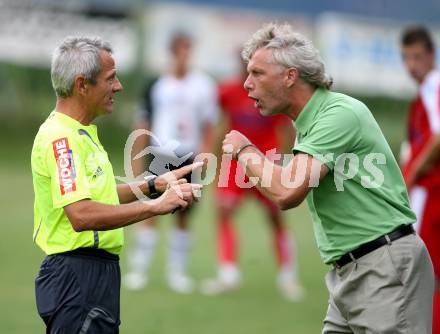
233, 141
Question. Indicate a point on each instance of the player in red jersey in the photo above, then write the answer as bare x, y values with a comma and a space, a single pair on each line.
268, 134
421, 167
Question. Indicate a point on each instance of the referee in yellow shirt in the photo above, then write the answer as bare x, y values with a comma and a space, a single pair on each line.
79, 209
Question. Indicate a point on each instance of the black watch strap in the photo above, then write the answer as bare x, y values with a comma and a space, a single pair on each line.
152, 191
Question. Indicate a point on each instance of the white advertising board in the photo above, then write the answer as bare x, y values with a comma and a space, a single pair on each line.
28, 34
363, 54
218, 33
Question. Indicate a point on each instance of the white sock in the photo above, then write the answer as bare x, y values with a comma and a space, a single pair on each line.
229, 273
145, 242
178, 249
288, 273
290, 270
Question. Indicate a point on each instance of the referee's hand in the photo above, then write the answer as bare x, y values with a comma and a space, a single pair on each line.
178, 196
163, 181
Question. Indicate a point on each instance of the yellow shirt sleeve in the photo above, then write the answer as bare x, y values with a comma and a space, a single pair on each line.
67, 171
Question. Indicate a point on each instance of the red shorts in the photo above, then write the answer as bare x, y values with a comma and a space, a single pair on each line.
232, 194
424, 202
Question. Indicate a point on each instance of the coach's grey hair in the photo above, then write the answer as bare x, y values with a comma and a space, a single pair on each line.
289, 49
76, 56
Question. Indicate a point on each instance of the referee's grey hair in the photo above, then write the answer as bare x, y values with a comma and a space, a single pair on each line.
289, 49
73, 57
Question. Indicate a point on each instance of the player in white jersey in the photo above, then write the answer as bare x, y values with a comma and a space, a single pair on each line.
180, 110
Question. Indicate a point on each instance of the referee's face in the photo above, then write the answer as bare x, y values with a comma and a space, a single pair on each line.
107, 85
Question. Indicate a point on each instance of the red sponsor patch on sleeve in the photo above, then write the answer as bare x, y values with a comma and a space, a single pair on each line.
66, 167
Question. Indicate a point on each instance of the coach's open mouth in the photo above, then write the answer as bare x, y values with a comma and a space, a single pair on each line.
257, 100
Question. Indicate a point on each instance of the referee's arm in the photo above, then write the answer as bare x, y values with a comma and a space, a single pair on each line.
87, 214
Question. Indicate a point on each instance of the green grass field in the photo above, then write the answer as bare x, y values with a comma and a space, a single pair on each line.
256, 308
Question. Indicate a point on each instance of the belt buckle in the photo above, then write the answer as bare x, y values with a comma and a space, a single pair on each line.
352, 257
388, 239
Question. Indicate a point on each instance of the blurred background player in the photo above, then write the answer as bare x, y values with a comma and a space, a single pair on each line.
239, 113
421, 163
180, 109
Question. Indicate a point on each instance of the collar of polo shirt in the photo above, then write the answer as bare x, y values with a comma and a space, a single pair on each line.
310, 110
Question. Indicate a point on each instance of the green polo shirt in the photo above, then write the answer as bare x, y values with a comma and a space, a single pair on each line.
363, 196
69, 164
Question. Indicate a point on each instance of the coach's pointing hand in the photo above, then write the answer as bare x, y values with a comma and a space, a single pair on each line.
234, 143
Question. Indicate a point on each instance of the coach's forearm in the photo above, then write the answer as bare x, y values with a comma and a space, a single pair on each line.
90, 215
284, 198
286, 186
269, 185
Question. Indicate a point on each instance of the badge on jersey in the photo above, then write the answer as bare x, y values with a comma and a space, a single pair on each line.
66, 166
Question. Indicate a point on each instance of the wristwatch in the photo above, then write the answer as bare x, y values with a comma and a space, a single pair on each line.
152, 191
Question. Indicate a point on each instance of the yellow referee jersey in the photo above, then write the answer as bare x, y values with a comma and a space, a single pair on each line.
69, 164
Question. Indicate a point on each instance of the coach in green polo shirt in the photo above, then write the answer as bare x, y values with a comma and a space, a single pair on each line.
79, 209
334, 124
382, 276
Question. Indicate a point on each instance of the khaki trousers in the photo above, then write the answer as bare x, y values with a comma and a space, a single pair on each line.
389, 290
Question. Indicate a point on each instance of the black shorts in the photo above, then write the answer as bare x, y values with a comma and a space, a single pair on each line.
79, 292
